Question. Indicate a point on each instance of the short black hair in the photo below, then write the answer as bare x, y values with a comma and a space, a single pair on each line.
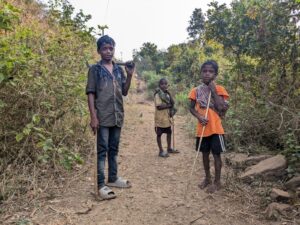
105, 39
212, 63
161, 80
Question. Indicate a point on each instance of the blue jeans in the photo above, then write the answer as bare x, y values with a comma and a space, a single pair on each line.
108, 139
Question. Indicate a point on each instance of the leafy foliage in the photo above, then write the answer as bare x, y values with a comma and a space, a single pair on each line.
149, 58
196, 24
8, 16
42, 81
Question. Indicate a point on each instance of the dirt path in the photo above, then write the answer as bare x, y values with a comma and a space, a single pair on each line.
158, 185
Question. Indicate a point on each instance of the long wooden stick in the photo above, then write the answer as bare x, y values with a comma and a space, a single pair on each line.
198, 150
173, 130
96, 169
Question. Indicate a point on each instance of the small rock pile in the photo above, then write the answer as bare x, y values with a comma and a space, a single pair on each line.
268, 168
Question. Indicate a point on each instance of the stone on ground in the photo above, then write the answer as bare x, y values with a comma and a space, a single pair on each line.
279, 195
268, 169
241, 160
274, 210
293, 183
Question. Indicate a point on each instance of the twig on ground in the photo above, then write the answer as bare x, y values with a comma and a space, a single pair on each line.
193, 221
86, 211
33, 212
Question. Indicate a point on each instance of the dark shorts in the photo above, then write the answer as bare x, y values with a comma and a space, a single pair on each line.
163, 130
214, 143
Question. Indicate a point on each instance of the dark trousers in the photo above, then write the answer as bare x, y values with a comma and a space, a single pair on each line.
108, 139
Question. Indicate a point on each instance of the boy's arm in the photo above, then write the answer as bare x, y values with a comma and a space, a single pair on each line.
164, 106
91, 93
219, 100
126, 86
161, 105
194, 112
226, 107
94, 120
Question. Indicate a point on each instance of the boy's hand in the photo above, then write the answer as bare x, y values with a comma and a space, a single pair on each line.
212, 86
202, 120
94, 124
226, 106
129, 67
168, 105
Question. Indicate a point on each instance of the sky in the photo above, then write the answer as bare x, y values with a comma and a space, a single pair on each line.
134, 22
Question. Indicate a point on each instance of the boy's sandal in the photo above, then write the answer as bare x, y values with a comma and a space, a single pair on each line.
163, 154
106, 193
171, 150
120, 183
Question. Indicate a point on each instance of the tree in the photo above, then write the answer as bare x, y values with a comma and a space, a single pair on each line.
147, 57
196, 24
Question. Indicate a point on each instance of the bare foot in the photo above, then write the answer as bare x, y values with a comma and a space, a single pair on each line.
214, 187
204, 183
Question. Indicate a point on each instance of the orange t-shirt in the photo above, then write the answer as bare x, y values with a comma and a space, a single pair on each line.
214, 125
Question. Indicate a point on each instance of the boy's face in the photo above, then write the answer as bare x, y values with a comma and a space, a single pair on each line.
208, 74
106, 51
163, 85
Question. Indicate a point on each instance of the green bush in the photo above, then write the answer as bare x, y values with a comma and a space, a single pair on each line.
152, 80
42, 83
182, 101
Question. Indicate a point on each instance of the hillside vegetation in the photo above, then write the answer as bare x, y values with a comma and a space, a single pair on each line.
43, 123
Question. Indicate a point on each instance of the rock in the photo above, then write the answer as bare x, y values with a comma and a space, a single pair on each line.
275, 209
252, 160
293, 183
279, 195
268, 169
236, 160
241, 161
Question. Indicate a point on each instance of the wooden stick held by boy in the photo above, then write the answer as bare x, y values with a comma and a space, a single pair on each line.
173, 129
198, 149
96, 191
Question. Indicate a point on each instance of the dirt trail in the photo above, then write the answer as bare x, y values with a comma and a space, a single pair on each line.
158, 185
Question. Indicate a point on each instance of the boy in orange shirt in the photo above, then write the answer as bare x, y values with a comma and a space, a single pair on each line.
213, 139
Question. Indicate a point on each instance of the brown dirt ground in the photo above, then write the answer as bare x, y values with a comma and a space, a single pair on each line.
157, 195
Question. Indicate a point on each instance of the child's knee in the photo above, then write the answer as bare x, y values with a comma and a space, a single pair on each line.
217, 158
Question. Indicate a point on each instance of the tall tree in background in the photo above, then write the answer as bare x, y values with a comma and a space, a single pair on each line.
196, 24
149, 58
